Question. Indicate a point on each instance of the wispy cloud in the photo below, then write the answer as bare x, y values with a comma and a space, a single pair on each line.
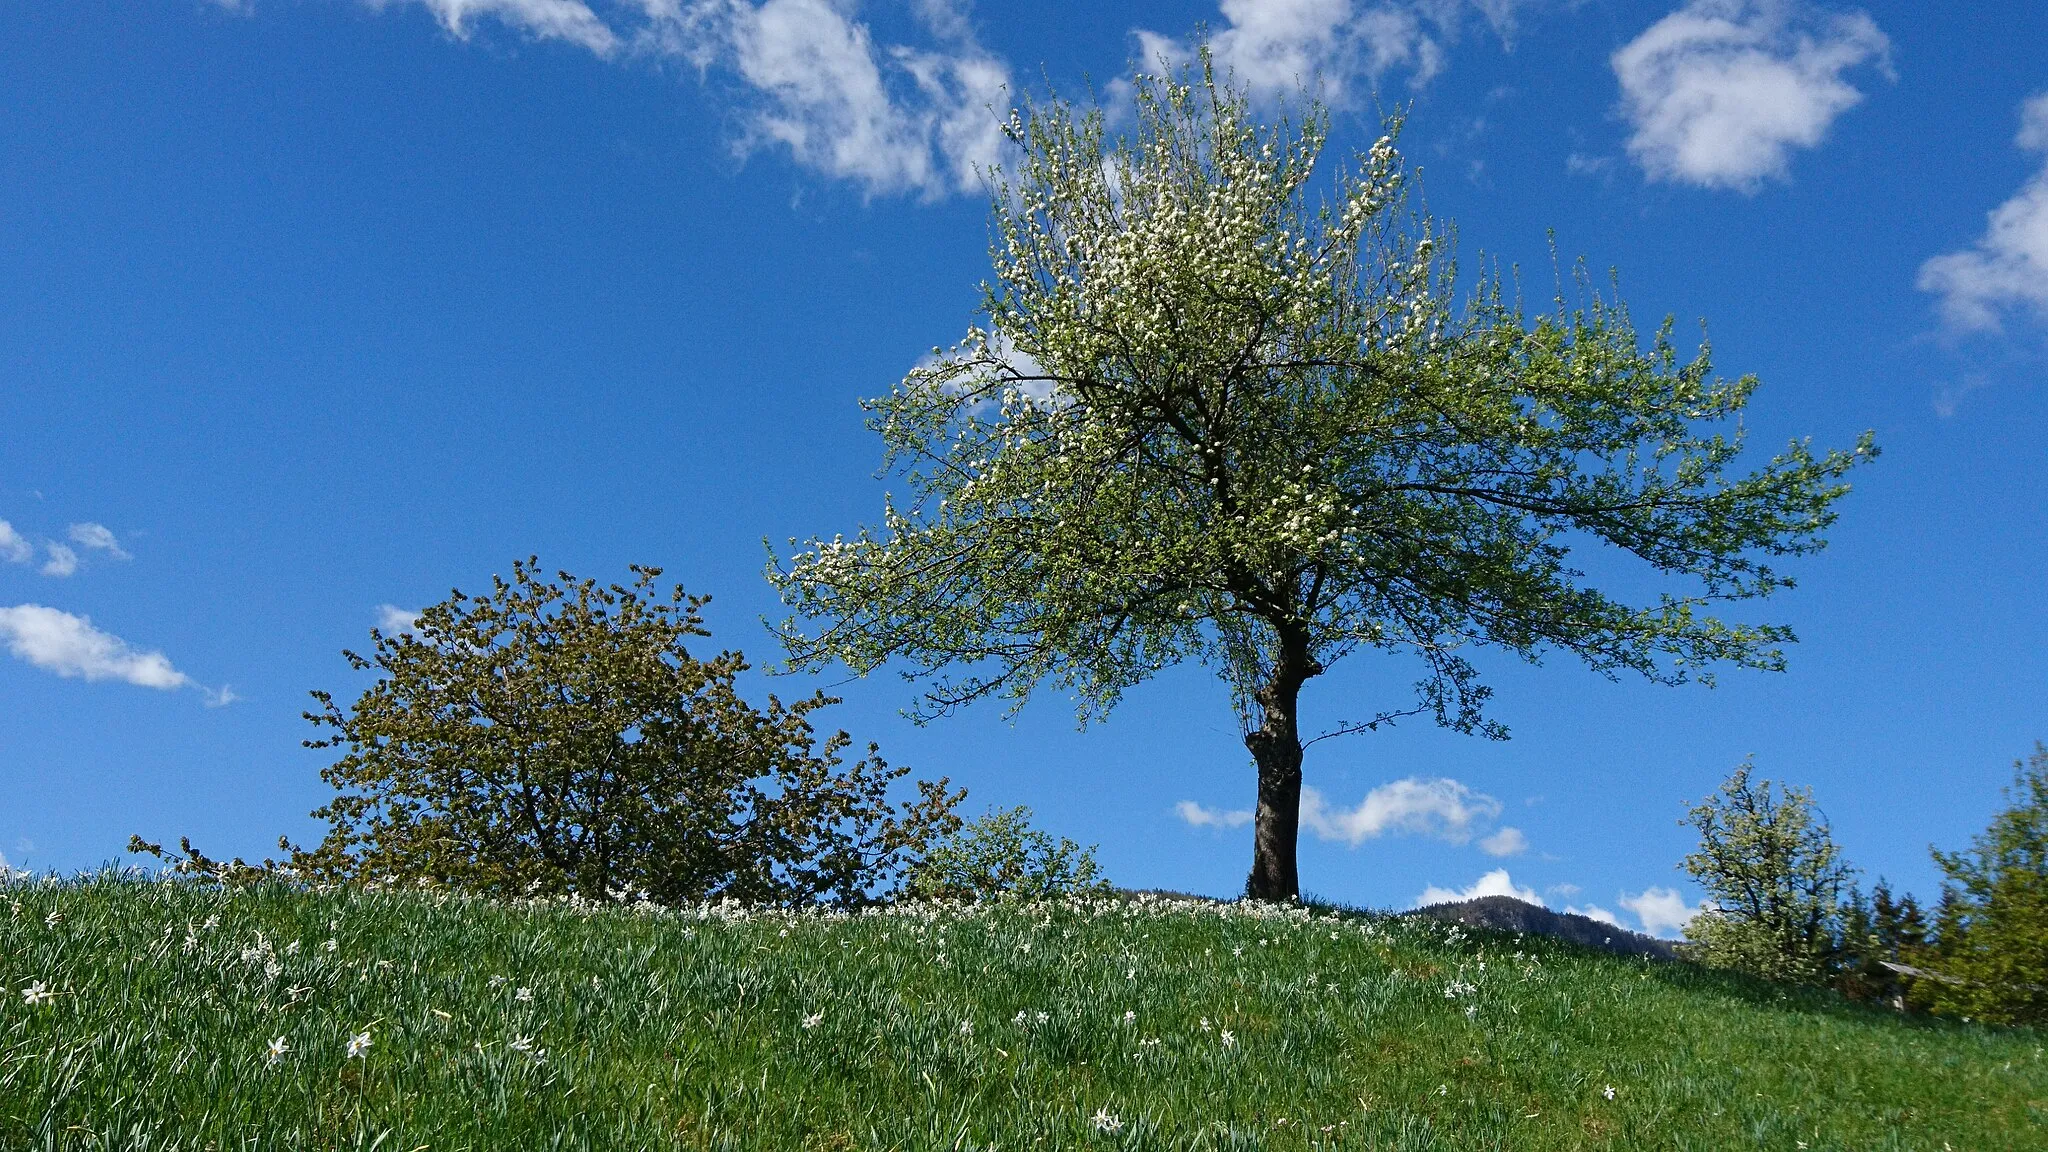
923, 118
1494, 883
1279, 47
1659, 911
14, 548
392, 618
568, 20
70, 646
1200, 817
1440, 808
60, 560
891, 119
98, 538
2008, 266
1720, 92
1662, 911
1586, 164
812, 79
1596, 912
1506, 842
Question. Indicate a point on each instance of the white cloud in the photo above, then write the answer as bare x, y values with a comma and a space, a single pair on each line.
1662, 911
62, 561
1342, 49
1720, 91
925, 118
14, 548
1278, 47
1503, 16
1201, 817
1494, 883
569, 20
98, 538
1596, 912
70, 646
392, 618
891, 118
1584, 164
1442, 808
2009, 264
1506, 842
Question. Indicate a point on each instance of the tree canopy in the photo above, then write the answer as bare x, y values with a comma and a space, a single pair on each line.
1211, 417
1993, 925
1776, 882
557, 737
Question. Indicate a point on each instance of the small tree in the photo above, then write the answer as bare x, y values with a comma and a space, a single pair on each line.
1775, 879
1885, 930
1210, 419
558, 738
1000, 855
1993, 925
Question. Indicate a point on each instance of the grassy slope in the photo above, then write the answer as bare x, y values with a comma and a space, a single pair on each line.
674, 1031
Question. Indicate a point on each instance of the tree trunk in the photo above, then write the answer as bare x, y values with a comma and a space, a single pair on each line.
1276, 748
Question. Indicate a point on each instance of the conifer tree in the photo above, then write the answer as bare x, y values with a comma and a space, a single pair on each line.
1993, 923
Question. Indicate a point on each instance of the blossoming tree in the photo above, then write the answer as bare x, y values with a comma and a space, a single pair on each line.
1211, 419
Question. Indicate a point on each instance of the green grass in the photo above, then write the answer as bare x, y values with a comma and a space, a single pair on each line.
929, 1027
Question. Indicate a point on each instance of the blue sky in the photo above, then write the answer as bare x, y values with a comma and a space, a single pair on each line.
313, 308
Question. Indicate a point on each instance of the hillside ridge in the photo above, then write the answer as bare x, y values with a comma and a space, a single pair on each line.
1507, 914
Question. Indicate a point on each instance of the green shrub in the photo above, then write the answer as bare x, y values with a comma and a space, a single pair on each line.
1775, 878
1000, 855
1992, 927
556, 738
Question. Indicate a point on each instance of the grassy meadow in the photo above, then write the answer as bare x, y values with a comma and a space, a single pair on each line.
168, 1015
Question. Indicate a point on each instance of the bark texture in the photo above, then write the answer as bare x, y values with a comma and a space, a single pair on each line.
1276, 749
